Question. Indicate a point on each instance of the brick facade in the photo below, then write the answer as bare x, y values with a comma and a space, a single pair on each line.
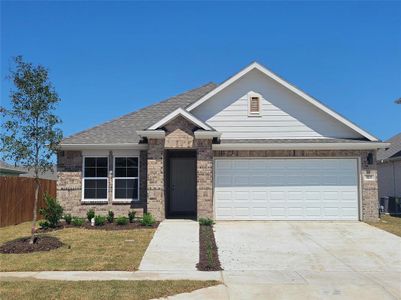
369, 190
180, 136
69, 187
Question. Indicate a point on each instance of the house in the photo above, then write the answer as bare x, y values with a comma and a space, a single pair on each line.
389, 168
252, 148
9, 170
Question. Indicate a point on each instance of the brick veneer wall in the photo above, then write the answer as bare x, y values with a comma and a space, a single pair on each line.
69, 187
156, 178
369, 190
204, 178
180, 136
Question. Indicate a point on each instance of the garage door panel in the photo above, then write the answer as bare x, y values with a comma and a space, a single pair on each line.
286, 189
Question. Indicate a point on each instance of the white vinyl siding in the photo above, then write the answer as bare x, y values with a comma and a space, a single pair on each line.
286, 189
283, 114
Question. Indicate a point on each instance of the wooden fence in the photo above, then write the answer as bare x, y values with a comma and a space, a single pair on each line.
17, 197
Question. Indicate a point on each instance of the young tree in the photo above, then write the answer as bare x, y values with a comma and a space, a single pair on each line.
29, 135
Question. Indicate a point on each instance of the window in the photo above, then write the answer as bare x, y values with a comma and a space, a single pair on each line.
254, 105
95, 178
126, 183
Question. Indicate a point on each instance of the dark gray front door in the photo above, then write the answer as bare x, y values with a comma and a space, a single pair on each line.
182, 185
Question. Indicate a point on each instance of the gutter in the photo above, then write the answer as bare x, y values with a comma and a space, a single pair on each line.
135, 146
301, 146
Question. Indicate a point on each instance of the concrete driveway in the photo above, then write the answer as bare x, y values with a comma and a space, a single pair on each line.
309, 260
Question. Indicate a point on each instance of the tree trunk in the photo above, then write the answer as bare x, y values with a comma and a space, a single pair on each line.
35, 212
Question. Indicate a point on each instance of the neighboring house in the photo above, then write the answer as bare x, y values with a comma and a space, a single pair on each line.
252, 148
8, 170
389, 168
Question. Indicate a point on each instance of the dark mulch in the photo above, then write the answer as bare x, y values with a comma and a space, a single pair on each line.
21, 245
208, 254
106, 226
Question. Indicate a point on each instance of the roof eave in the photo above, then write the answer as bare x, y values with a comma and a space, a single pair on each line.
134, 146
300, 146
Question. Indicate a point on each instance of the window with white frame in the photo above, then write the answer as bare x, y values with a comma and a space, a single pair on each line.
254, 104
126, 178
95, 178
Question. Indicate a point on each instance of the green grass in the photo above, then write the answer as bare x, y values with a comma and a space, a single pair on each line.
84, 250
46, 289
389, 223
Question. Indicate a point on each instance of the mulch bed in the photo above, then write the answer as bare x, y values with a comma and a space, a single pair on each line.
208, 254
21, 245
106, 226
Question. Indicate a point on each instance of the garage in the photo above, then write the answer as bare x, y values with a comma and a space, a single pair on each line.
286, 189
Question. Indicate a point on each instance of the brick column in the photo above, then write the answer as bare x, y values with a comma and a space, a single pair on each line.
155, 204
204, 171
370, 193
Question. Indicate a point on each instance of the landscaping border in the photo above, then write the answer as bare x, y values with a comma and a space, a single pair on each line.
208, 254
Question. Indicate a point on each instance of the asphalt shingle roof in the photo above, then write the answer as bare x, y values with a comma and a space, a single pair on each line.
123, 129
393, 151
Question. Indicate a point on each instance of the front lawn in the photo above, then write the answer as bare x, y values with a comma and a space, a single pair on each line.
389, 223
84, 250
45, 289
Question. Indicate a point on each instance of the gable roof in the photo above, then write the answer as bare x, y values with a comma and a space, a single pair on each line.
123, 130
290, 87
180, 112
394, 151
6, 168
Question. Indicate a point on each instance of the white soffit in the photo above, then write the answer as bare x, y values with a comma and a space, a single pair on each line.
292, 88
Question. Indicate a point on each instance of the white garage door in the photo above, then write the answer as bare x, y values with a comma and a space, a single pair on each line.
286, 189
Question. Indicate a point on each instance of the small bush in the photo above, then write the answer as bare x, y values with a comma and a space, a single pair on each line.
76, 221
131, 216
100, 220
44, 224
52, 212
110, 216
147, 219
122, 221
67, 218
206, 221
90, 214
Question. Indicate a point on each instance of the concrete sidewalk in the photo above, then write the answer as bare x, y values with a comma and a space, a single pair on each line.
174, 247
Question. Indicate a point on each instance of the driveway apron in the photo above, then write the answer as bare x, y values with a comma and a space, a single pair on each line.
309, 260
174, 247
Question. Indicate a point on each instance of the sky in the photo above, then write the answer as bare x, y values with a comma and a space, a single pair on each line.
107, 59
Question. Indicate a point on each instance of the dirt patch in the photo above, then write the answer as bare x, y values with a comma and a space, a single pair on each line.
21, 245
106, 226
208, 254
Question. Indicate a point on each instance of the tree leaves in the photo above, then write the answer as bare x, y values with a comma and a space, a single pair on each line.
30, 135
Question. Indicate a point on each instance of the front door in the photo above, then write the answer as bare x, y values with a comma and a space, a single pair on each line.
181, 184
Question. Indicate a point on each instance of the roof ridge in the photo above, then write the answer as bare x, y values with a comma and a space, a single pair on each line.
139, 110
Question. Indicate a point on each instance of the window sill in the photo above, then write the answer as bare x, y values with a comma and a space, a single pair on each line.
94, 201
124, 201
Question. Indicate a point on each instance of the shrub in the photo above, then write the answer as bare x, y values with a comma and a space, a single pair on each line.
76, 221
44, 224
67, 218
122, 221
90, 214
52, 212
206, 221
100, 220
147, 220
131, 216
110, 216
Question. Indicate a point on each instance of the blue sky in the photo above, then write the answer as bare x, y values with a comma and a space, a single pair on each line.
110, 58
